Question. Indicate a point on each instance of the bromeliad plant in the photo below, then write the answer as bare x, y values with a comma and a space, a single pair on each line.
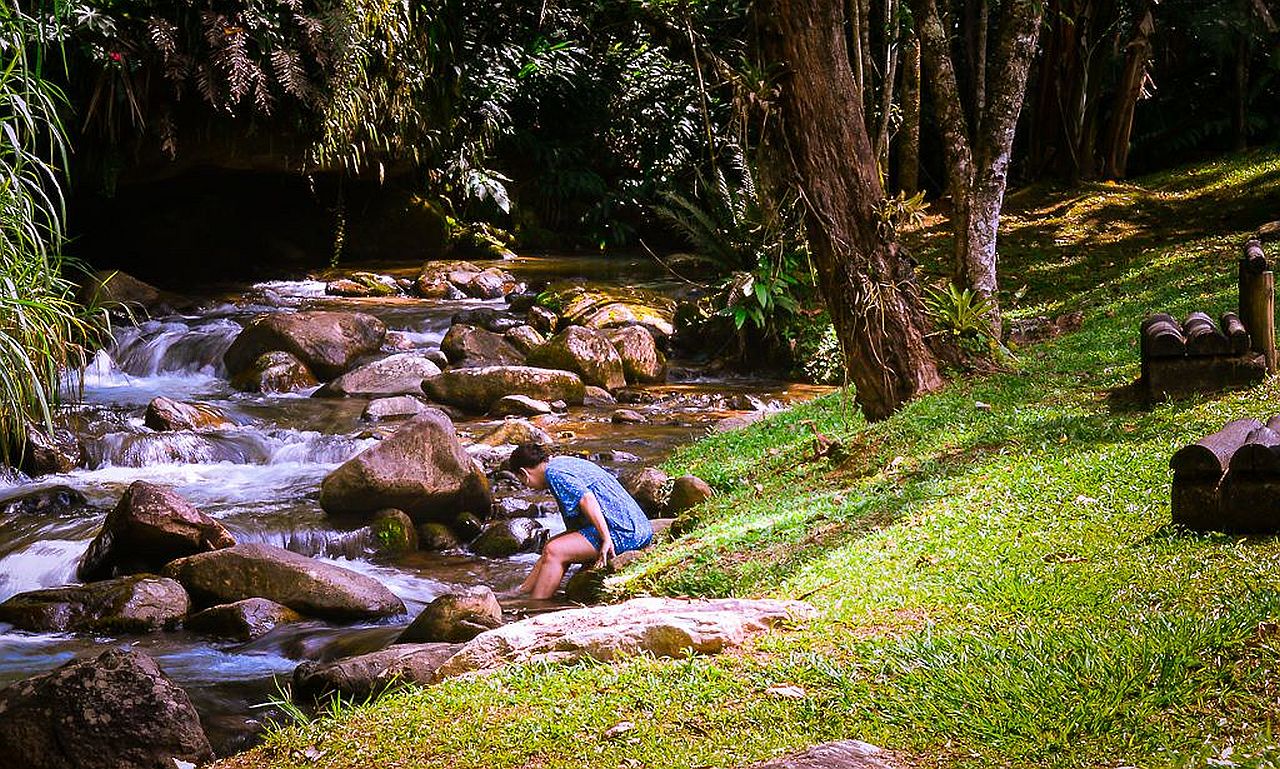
962, 317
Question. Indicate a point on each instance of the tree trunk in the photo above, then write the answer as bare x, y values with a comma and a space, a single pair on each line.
888, 84
869, 289
1128, 91
909, 147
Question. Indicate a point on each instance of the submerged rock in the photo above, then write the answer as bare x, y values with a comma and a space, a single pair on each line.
515, 432
139, 604
505, 538
166, 414
437, 537
306, 585
55, 500
242, 620
422, 469
149, 527
274, 372
663, 627
584, 351
117, 710
368, 675
327, 342
399, 374
477, 389
455, 617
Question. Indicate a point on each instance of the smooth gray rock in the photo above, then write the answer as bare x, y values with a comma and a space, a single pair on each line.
399, 374
142, 603
455, 617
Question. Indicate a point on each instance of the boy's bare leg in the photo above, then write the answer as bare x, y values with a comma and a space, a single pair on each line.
557, 556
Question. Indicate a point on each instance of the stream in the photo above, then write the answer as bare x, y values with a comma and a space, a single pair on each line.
261, 478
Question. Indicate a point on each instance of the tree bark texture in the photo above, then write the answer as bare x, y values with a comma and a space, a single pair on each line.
978, 161
909, 146
1128, 91
868, 287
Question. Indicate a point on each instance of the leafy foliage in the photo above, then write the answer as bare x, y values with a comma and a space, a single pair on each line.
42, 329
962, 315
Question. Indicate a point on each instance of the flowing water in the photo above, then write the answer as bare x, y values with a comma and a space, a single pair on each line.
261, 478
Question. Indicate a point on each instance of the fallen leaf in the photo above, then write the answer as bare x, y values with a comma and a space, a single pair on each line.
617, 730
786, 691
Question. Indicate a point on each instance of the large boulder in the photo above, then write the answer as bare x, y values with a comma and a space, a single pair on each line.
477, 389
584, 351
138, 604
650, 488
599, 306
399, 374
470, 347
167, 414
422, 469
274, 372
114, 290
505, 538
455, 617
306, 585
524, 338
663, 627
242, 620
368, 675
117, 710
149, 527
642, 362
327, 342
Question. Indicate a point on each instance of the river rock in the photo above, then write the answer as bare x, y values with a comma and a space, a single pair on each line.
486, 318
55, 500
393, 532
650, 488
455, 617
524, 338
327, 342
628, 417
368, 675
663, 627
542, 320
363, 285
599, 306
844, 754
437, 537
515, 432
274, 372
306, 585
149, 527
641, 360
584, 351
598, 397
505, 538
471, 347
242, 620
519, 406
393, 408
117, 710
45, 453
477, 389
166, 414
729, 424
687, 492
115, 290
467, 526
138, 604
399, 374
422, 469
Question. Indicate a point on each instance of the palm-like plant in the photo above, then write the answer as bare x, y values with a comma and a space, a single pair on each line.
42, 328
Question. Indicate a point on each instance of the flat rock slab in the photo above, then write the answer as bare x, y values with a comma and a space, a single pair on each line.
845, 754
664, 627
367, 675
308, 586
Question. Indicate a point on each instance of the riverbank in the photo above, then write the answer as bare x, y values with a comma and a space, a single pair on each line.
997, 578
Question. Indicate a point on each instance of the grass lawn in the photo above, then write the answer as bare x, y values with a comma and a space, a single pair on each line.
998, 587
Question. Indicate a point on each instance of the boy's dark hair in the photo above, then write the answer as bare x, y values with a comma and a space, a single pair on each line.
527, 455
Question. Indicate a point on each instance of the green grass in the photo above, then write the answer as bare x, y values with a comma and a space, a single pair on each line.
997, 587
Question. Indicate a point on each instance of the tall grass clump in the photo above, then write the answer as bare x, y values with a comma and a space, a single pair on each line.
43, 330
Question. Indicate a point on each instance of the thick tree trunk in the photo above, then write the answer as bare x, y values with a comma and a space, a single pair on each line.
909, 146
869, 289
978, 162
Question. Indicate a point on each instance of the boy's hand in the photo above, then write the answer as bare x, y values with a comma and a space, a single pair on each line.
606, 554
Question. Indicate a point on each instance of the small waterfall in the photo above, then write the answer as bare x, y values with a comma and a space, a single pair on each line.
240, 446
156, 347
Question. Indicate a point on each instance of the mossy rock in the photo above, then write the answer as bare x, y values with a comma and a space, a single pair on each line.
599, 306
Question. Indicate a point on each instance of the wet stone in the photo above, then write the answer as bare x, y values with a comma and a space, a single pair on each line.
242, 620
455, 617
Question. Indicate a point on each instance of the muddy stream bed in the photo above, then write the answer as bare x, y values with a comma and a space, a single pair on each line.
261, 478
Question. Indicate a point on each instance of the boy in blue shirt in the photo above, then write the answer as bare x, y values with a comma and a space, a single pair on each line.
601, 518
